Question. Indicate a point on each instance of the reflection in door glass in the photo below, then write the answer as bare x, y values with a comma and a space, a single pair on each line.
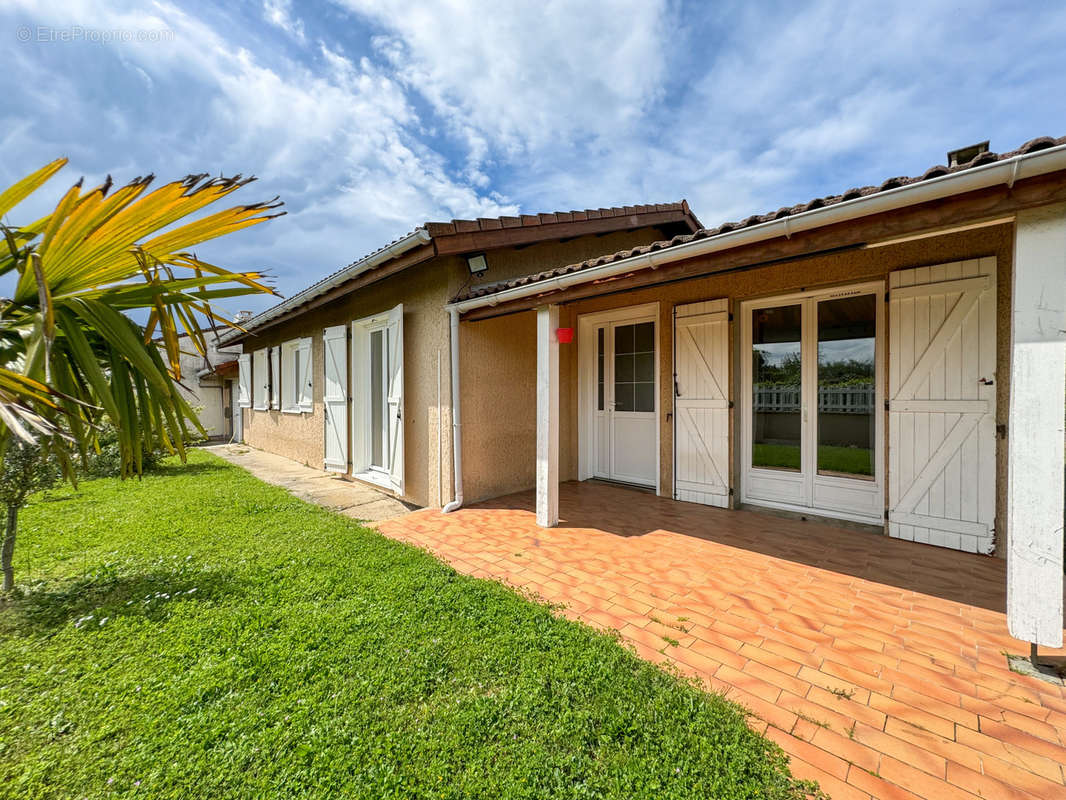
634, 367
599, 369
846, 391
377, 399
776, 387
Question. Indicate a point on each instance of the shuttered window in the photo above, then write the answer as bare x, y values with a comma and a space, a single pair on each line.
296, 382
260, 380
244, 380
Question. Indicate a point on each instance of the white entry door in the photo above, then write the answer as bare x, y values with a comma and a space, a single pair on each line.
619, 416
701, 403
942, 431
377, 399
811, 390
335, 398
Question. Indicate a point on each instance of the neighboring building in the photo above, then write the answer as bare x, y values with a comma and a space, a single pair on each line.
207, 383
353, 374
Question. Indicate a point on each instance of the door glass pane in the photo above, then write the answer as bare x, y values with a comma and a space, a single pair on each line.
377, 394
846, 390
776, 386
599, 369
634, 367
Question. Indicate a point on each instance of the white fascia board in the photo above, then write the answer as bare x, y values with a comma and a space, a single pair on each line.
1005, 172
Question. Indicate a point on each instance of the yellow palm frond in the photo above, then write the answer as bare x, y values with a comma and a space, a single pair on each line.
72, 352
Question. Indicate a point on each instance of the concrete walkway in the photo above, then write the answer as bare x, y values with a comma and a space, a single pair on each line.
350, 498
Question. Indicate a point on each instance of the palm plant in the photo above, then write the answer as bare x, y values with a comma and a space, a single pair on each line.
70, 349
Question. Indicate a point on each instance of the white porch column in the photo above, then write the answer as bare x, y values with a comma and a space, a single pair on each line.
1035, 429
547, 417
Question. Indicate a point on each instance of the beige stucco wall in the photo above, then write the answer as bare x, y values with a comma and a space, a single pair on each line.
498, 359
423, 291
504, 443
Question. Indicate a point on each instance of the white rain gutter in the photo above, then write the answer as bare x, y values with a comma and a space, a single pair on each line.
457, 439
408, 242
998, 173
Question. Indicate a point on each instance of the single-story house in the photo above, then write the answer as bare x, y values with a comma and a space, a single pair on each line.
892, 356
353, 374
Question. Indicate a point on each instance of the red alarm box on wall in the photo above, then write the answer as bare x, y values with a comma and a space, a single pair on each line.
564, 335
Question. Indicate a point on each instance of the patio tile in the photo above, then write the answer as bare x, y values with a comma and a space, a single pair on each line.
876, 664
878, 787
950, 750
921, 783
987, 786
810, 754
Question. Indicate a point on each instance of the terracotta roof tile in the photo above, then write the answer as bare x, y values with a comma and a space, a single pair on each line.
936, 171
452, 228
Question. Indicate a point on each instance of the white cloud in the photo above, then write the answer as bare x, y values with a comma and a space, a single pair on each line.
336, 138
279, 14
467, 108
529, 75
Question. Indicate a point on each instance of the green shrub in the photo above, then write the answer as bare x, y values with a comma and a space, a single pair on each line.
107, 463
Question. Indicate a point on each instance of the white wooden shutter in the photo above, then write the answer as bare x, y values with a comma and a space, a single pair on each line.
942, 409
305, 392
396, 410
335, 397
275, 377
244, 380
260, 380
701, 403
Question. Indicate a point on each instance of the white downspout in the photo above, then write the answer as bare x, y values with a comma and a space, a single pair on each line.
457, 438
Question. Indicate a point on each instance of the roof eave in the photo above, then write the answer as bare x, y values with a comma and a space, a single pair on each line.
1007, 172
399, 247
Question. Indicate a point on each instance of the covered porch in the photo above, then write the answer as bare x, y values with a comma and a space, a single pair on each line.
877, 664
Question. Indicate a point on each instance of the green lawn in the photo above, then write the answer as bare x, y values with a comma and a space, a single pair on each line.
849, 460
202, 634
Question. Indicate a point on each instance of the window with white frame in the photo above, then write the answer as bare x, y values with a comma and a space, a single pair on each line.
296, 382
260, 380
377, 399
275, 377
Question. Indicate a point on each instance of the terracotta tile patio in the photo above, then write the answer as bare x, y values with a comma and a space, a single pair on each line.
878, 665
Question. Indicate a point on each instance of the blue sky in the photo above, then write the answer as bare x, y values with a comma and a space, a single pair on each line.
369, 117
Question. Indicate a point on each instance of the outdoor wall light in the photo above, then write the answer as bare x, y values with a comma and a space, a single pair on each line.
477, 263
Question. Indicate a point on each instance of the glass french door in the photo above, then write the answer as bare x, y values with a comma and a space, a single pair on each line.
625, 425
812, 432
379, 399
